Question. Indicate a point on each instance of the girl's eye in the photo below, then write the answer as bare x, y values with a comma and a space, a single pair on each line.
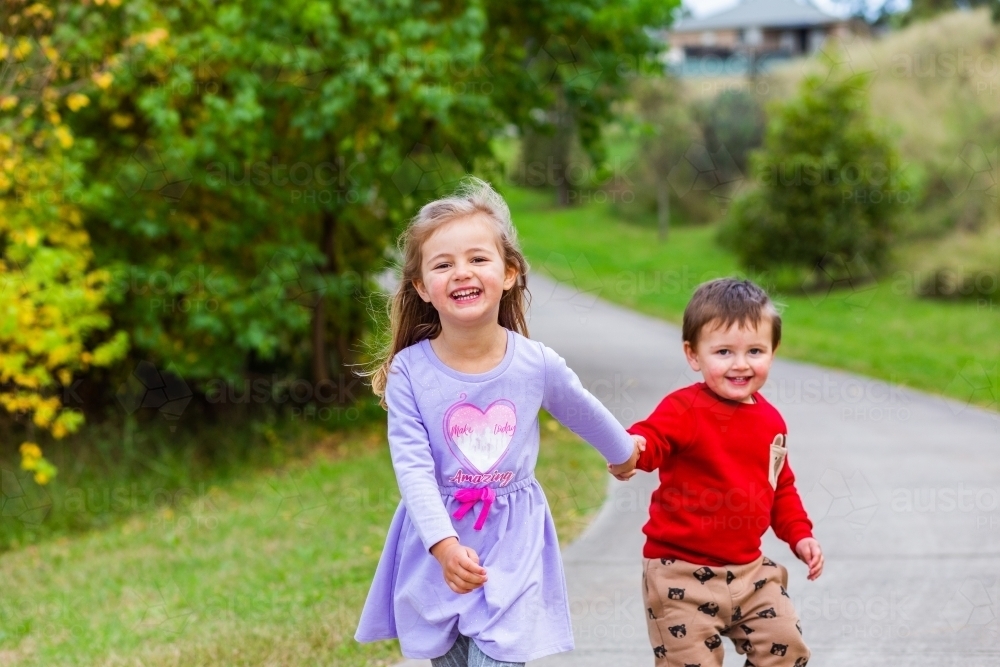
723, 352
479, 259
440, 266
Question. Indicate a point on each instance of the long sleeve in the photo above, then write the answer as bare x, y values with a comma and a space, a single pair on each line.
410, 448
577, 409
666, 429
788, 517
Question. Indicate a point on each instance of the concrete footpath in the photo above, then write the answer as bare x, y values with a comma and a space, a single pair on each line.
903, 488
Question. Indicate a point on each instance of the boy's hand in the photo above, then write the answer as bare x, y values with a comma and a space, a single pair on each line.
460, 565
625, 471
810, 553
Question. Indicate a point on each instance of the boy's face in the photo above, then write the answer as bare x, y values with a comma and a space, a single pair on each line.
734, 361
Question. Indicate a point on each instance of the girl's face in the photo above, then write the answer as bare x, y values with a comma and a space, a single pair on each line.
735, 362
462, 272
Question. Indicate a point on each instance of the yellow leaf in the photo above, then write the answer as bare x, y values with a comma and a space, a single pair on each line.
31, 237
8, 102
65, 138
121, 120
150, 39
23, 48
103, 79
77, 101
31, 450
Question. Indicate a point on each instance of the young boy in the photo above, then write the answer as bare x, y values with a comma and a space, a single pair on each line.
719, 447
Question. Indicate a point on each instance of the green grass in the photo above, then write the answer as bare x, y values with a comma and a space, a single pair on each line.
881, 330
266, 569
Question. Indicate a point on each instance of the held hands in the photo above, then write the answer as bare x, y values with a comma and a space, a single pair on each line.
625, 471
810, 553
460, 565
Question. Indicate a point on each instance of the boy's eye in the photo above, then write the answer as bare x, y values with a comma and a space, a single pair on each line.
723, 352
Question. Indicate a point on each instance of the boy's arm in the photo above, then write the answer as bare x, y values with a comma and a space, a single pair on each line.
788, 517
663, 430
578, 410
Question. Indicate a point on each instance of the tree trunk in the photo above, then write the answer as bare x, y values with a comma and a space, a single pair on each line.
562, 145
662, 211
321, 373
320, 363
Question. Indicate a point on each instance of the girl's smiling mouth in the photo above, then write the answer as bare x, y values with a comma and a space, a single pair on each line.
466, 294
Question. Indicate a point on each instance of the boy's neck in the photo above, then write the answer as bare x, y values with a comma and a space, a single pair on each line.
749, 400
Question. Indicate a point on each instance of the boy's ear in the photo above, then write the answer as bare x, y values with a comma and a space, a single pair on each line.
418, 285
692, 358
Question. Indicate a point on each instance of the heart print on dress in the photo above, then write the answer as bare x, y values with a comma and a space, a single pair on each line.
481, 437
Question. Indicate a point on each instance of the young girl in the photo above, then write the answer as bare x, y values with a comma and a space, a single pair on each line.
471, 572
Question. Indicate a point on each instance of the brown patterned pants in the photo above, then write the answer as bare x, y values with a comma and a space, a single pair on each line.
689, 608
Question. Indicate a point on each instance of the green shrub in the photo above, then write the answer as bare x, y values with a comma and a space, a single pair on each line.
829, 185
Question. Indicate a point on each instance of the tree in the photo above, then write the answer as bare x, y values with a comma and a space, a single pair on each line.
668, 132
240, 168
581, 58
829, 183
53, 298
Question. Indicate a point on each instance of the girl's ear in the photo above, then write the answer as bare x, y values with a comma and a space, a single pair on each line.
509, 277
418, 285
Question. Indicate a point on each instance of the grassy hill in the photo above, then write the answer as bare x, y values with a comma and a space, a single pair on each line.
936, 86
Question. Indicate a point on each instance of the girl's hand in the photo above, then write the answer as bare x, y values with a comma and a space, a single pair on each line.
810, 553
460, 565
623, 472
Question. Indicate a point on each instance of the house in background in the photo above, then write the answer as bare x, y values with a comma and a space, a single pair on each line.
754, 30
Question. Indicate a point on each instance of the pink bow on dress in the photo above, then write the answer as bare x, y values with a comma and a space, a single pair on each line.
469, 497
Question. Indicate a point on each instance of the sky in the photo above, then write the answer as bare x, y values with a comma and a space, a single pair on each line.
704, 7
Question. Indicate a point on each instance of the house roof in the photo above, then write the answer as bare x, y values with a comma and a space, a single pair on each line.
759, 14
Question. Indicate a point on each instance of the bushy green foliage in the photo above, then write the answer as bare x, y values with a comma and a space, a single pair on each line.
215, 184
828, 184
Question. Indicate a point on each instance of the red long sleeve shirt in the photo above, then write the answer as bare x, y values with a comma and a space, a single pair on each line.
715, 500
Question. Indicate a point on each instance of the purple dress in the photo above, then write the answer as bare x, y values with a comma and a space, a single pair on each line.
466, 444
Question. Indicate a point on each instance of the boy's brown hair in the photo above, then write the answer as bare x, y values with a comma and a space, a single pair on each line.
727, 301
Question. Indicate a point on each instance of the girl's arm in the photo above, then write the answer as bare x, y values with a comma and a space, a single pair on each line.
410, 448
578, 410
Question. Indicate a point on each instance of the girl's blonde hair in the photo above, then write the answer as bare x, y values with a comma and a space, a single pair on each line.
411, 319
